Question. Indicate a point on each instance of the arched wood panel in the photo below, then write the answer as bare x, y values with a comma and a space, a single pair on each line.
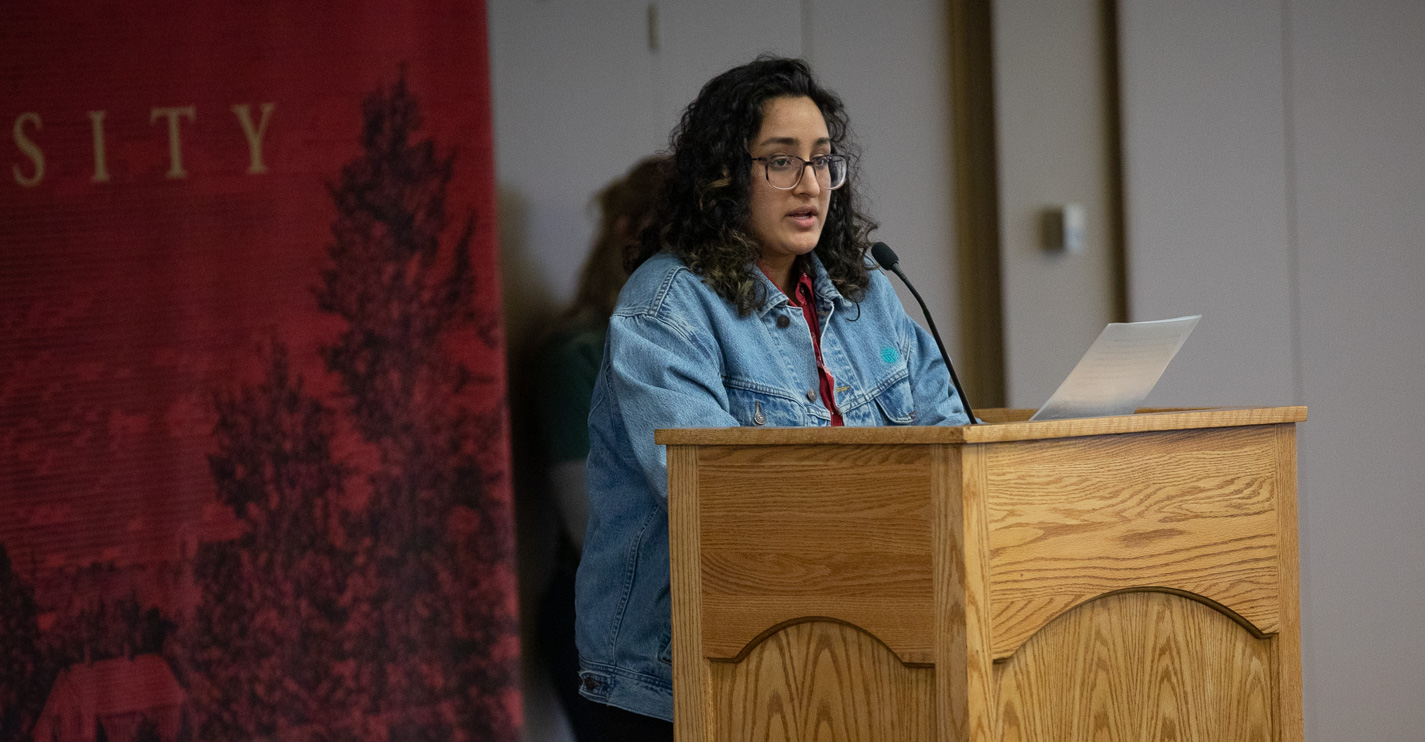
822, 681
1139, 667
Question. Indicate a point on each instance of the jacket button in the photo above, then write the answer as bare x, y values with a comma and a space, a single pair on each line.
783, 321
811, 395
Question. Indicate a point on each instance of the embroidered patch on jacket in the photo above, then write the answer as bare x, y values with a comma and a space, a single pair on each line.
889, 354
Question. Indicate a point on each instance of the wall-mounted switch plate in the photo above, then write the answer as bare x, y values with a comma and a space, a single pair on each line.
1063, 227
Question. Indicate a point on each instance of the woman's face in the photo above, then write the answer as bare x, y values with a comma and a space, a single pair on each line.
788, 223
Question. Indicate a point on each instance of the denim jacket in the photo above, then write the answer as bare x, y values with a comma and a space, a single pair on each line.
679, 356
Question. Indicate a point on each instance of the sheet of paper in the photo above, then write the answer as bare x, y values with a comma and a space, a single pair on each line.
1119, 369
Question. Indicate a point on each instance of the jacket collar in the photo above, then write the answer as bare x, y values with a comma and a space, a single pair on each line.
826, 292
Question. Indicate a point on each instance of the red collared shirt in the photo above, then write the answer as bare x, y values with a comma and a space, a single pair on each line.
804, 297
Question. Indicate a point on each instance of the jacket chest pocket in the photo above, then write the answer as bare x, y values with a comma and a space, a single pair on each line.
891, 402
896, 403
755, 405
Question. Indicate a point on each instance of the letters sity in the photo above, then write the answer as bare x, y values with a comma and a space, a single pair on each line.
29, 125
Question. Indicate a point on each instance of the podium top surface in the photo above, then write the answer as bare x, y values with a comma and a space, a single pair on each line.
989, 432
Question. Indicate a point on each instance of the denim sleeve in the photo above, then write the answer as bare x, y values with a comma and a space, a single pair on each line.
662, 375
935, 399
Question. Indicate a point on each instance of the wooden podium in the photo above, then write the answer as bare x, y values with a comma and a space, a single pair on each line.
1126, 579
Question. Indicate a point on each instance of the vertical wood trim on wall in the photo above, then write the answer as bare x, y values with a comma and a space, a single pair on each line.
1113, 129
977, 201
1293, 221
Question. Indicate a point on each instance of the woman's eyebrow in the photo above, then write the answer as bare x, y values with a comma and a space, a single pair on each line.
792, 141
789, 141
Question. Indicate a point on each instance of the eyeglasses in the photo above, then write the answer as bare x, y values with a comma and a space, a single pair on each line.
784, 172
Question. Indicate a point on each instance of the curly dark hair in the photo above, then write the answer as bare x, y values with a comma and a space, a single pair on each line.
702, 214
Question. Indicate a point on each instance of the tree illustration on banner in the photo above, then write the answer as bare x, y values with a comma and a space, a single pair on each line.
370, 593
265, 647
20, 657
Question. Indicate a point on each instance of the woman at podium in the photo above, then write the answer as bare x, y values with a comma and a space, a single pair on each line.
751, 303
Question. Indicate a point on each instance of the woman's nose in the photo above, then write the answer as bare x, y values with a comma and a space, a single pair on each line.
809, 184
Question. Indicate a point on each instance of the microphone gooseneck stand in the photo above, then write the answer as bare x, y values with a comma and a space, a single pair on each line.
886, 258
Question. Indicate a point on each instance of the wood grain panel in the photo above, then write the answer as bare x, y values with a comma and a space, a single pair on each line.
822, 682
1139, 667
834, 531
1188, 510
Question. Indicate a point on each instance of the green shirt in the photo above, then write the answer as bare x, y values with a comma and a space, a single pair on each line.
567, 368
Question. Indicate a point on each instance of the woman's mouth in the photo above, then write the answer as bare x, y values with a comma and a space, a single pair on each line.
804, 218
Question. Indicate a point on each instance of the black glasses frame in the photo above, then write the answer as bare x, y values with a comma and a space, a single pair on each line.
802, 171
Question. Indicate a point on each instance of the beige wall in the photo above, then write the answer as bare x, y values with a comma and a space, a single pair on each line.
1206, 191
1275, 158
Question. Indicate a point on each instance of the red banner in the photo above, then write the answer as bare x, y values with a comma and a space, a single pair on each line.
253, 460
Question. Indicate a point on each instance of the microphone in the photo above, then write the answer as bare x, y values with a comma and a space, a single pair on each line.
886, 258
